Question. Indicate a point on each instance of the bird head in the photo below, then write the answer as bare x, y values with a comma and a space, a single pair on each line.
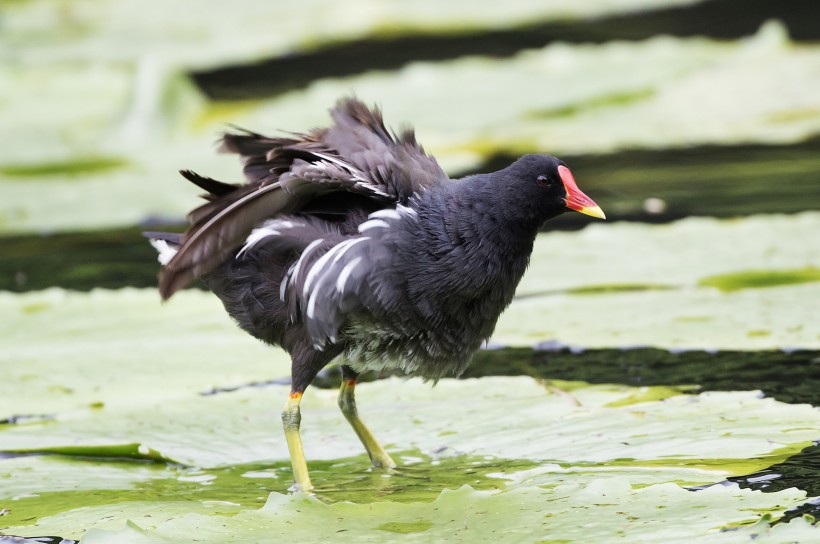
549, 186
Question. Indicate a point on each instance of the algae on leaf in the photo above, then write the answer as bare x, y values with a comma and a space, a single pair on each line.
755, 279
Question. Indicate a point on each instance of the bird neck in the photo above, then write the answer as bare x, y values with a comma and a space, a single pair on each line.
488, 233
497, 211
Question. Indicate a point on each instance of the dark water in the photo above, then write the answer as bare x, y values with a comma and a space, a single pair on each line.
792, 376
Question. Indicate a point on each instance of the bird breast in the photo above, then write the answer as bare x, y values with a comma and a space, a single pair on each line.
438, 287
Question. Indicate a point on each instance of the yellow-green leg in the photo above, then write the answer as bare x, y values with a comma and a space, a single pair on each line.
347, 402
291, 418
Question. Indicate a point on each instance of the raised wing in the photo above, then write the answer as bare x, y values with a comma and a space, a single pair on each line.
356, 155
397, 164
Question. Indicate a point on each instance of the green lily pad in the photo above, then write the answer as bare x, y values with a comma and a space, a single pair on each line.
170, 125
124, 338
56, 31
146, 406
610, 509
601, 287
656, 75
734, 433
682, 319
650, 260
105, 344
65, 351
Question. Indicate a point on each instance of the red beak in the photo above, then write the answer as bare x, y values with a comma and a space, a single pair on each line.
576, 200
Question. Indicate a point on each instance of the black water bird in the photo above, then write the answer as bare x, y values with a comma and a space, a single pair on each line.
350, 243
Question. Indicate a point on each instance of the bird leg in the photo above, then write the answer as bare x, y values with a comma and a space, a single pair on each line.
291, 418
347, 403
305, 364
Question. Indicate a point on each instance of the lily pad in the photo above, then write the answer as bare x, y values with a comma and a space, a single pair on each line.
612, 454
621, 514
636, 258
59, 31
65, 351
105, 344
734, 433
609, 509
662, 77
167, 124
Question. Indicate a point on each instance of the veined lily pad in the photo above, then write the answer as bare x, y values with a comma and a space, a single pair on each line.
735, 433
609, 457
65, 351
609, 510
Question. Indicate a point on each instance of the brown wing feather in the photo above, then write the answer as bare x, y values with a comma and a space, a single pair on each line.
397, 163
215, 188
212, 240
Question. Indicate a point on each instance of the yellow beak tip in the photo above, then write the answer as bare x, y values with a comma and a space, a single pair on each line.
593, 211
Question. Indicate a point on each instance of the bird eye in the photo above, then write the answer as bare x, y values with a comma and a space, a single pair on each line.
543, 181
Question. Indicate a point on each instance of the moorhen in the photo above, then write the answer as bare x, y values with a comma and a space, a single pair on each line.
349, 243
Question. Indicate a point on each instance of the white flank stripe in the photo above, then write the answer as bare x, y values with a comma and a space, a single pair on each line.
385, 214
317, 267
335, 253
347, 245
283, 224
166, 252
341, 281
273, 227
308, 249
255, 236
283, 287
406, 211
311, 309
372, 224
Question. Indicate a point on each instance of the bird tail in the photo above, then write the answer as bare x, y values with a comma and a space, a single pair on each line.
166, 243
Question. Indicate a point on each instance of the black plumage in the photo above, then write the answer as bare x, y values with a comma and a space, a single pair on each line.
351, 243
